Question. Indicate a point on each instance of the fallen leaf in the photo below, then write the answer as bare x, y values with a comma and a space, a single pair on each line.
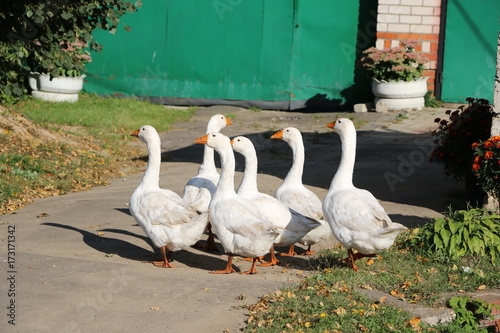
406, 285
397, 293
366, 286
415, 322
370, 262
362, 328
340, 311
42, 215
422, 259
481, 287
382, 299
100, 233
155, 308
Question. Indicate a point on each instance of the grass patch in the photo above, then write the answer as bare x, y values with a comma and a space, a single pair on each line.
110, 119
328, 301
401, 116
71, 146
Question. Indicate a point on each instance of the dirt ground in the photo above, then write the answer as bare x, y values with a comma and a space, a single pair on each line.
80, 263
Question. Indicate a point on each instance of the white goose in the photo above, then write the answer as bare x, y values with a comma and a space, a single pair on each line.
356, 218
237, 222
167, 219
200, 189
296, 196
293, 226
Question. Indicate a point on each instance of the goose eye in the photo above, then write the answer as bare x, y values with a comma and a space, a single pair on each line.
213, 135
288, 131
340, 121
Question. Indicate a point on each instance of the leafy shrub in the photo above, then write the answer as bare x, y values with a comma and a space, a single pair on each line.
454, 137
431, 101
486, 165
400, 63
473, 232
469, 312
42, 34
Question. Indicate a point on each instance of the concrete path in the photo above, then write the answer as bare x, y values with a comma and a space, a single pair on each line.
79, 262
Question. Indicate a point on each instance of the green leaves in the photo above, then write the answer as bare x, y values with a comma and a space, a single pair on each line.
473, 232
31, 34
469, 312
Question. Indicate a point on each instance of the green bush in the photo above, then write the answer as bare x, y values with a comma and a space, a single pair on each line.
469, 312
40, 35
474, 232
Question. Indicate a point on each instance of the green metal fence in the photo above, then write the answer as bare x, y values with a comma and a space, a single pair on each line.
470, 49
271, 53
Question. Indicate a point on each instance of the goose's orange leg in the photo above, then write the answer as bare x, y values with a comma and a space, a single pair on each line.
261, 258
308, 251
356, 256
166, 259
273, 261
291, 252
229, 267
252, 269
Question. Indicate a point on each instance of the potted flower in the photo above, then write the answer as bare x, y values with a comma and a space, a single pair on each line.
59, 70
486, 166
454, 138
397, 75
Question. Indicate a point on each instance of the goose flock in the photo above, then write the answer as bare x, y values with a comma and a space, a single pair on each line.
250, 223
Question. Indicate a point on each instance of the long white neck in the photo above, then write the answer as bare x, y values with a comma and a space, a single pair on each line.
226, 181
295, 173
208, 164
151, 177
343, 177
248, 184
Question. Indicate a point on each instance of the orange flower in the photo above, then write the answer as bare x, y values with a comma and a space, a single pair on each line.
488, 144
475, 166
477, 159
495, 139
488, 154
474, 145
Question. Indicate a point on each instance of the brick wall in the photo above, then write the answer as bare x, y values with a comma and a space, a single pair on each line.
411, 19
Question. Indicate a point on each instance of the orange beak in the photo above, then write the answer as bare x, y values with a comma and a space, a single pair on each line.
277, 135
232, 140
228, 121
202, 140
331, 125
135, 133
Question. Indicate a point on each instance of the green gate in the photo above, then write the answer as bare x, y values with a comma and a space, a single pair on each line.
270, 53
470, 50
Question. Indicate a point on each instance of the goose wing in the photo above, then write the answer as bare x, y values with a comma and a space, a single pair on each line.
166, 208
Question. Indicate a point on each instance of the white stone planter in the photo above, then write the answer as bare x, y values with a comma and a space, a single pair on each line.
400, 95
59, 89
